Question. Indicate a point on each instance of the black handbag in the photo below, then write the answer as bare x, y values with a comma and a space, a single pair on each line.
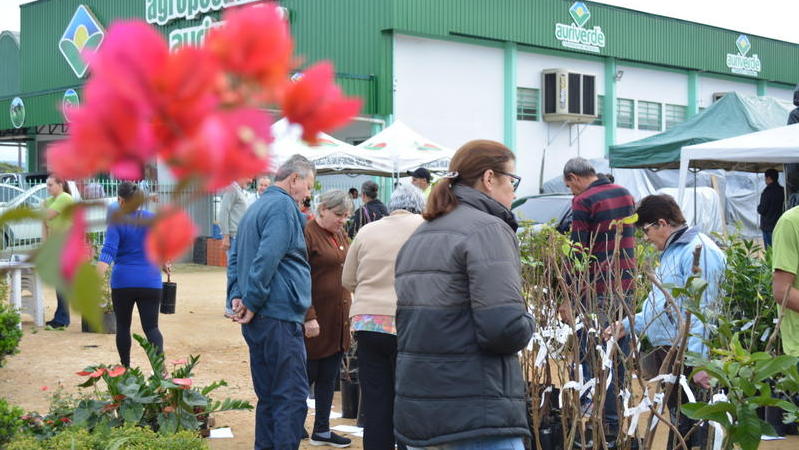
168, 296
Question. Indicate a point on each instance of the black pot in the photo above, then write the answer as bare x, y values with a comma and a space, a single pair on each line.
108, 322
350, 396
169, 295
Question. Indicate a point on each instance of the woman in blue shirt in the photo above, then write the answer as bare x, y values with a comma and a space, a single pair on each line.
134, 279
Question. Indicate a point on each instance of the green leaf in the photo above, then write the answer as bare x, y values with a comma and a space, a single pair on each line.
86, 294
48, 260
188, 421
167, 423
193, 398
81, 416
703, 411
774, 366
131, 411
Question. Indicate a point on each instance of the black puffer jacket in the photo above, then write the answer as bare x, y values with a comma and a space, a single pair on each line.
460, 322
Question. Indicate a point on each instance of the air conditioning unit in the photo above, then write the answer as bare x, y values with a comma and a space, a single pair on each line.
717, 96
569, 96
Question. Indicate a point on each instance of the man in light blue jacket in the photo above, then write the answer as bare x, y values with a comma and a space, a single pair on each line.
663, 224
269, 287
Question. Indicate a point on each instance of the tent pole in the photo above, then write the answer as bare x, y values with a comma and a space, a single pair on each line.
695, 197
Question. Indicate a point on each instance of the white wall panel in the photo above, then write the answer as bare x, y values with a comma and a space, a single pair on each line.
708, 86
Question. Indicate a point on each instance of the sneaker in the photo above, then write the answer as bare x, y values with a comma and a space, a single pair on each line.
333, 441
53, 325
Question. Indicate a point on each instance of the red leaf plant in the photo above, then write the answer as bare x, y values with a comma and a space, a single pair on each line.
201, 111
184, 383
116, 371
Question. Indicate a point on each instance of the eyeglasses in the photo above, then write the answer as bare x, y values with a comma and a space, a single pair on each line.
646, 227
514, 179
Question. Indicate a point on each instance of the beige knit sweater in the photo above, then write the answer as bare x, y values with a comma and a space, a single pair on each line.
369, 267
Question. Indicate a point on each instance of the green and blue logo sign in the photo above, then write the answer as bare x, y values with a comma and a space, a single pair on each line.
17, 112
83, 33
70, 101
742, 64
578, 37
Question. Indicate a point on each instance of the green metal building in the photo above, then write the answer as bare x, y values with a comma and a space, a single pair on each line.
451, 69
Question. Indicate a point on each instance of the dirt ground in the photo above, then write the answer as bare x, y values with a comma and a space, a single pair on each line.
50, 358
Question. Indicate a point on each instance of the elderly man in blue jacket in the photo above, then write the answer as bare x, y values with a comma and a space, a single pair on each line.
269, 286
663, 224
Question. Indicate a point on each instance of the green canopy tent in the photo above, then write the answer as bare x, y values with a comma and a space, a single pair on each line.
733, 115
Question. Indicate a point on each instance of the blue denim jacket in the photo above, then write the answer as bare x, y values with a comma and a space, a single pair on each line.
268, 268
676, 263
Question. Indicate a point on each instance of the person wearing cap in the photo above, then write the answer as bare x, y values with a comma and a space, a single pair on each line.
421, 178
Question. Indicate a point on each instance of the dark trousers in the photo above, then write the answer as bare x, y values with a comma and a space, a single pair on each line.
675, 400
377, 360
61, 316
322, 374
277, 363
767, 239
147, 301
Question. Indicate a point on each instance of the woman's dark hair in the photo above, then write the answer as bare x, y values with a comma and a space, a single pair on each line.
369, 189
62, 182
127, 191
470, 162
655, 207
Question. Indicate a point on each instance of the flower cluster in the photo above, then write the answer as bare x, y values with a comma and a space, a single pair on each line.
201, 111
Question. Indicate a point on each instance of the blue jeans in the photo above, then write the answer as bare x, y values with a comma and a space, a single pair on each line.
767, 239
61, 316
492, 443
229, 301
277, 363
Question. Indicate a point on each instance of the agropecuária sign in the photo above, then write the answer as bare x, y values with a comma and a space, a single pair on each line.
161, 12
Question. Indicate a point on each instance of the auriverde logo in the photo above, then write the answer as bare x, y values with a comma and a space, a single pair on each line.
577, 37
740, 63
83, 33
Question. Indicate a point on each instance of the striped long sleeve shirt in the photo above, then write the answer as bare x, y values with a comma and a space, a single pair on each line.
593, 212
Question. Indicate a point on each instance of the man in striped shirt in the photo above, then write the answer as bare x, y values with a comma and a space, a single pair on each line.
598, 208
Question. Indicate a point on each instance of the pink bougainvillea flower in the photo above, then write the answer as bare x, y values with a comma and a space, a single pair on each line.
116, 371
130, 61
187, 87
255, 44
184, 383
315, 102
170, 237
98, 373
75, 251
229, 145
178, 362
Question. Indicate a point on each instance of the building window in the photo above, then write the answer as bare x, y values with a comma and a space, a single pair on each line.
526, 104
600, 109
648, 116
675, 115
624, 113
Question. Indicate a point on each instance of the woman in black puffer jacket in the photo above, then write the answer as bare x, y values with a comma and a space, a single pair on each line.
461, 318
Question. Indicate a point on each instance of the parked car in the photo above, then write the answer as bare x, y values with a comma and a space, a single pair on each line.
545, 208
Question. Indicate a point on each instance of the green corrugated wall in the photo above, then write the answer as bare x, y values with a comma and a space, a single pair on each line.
9, 64
357, 35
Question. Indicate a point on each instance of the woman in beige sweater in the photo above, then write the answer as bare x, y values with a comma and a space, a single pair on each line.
369, 275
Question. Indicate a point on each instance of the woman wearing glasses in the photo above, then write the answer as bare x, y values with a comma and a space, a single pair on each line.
460, 317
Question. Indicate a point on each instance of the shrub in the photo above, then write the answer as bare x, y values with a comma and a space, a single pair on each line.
10, 332
129, 438
10, 421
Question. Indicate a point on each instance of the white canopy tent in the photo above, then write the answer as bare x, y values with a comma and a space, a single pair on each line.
329, 154
753, 152
399, 149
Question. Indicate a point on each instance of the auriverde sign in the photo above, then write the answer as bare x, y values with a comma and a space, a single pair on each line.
575, 35
740, 63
